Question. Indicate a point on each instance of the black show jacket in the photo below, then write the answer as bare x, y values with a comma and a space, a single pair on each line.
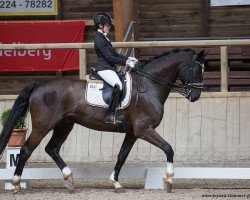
107, 58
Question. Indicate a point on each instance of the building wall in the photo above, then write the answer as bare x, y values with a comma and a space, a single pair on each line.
194, 18
213, 130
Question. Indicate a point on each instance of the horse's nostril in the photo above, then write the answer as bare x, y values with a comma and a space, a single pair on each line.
196, 98
193, 99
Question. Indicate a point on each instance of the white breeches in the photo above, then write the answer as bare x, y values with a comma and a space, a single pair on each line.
110, 77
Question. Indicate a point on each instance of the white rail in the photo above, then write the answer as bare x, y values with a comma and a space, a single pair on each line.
153, 175
136, 44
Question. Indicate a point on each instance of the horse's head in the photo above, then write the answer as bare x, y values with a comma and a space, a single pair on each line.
191, 76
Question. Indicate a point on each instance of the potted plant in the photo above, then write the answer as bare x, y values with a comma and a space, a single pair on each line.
19, 132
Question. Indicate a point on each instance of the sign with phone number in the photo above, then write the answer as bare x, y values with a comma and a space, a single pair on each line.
28, 7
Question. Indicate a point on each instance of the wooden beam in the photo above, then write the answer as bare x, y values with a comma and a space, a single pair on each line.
118, 16
88, 22
125, 11
224, 69
59, 10
82, 64
204, 17
172, 43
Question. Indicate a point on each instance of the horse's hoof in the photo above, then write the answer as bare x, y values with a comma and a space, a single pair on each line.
17, 191
120, 190
169, 187
71, 191
17, 187
69, 183
168, 183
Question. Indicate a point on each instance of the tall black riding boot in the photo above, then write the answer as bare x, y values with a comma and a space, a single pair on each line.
110, 118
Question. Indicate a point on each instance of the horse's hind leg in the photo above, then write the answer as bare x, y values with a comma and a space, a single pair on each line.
127, 145
33, 141
60, 134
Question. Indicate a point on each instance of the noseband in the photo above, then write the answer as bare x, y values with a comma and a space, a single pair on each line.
190, 85
183, 89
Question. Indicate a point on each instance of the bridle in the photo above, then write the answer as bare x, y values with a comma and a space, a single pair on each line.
183, 89
190, 84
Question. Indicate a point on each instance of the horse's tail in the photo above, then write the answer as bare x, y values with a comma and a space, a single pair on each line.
18, 111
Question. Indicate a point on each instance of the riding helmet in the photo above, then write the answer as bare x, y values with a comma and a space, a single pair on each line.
102, 18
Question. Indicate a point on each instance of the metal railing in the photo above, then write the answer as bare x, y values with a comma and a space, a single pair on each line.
130, 32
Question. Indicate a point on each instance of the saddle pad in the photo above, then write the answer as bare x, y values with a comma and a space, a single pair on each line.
93, 95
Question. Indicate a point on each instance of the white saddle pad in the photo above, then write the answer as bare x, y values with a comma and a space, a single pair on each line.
93, 94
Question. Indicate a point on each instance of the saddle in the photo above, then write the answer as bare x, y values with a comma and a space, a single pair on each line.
107, 89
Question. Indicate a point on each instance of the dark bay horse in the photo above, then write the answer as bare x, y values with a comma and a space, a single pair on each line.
60, 103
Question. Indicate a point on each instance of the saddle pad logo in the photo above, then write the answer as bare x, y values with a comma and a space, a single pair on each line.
94, 87
93, 94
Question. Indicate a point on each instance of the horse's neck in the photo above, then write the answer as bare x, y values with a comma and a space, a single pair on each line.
165, 70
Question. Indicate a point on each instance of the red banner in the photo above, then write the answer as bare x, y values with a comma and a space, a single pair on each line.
40, 32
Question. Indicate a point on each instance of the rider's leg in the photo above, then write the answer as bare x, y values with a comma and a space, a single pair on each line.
112, 78
114, 102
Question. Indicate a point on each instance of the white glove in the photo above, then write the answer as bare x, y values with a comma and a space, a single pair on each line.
130, 63
133, 59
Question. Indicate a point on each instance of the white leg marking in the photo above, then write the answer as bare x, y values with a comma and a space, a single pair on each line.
116, 183
112, 176
170, 168
66, 172
169, 178
16, 179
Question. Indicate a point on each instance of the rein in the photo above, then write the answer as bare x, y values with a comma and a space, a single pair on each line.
175, 86
183, 89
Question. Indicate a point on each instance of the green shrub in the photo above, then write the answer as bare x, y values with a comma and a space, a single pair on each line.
20, 123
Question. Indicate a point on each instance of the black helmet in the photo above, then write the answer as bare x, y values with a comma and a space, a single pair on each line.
102, 18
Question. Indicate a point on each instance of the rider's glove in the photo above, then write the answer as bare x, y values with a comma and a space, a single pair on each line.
130, 63
133, 59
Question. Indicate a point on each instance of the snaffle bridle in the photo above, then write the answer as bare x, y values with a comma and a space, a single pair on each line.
183, 89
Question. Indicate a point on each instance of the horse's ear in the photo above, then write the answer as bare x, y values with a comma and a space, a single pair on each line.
202, 54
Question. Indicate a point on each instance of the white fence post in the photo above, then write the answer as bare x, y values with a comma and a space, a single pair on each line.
224, 69
82, 63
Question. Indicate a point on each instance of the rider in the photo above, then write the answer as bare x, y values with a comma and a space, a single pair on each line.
107, 59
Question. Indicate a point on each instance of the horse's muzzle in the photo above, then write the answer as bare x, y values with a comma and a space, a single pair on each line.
194, 95
194, 99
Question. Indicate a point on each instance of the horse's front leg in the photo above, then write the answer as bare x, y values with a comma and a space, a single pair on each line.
127, 145
154, 138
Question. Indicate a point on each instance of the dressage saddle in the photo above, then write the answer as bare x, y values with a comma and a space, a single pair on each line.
107, 89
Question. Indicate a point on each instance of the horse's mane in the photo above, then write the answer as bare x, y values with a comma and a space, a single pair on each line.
165, 53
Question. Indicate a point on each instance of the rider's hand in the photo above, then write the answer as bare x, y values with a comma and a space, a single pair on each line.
133, 59
130, 63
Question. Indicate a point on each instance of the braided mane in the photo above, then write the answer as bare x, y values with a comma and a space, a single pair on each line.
165, 53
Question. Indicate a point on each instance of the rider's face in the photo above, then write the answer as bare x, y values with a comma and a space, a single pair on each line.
106, 28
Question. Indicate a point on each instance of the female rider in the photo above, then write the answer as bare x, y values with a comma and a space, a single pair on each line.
107, 59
